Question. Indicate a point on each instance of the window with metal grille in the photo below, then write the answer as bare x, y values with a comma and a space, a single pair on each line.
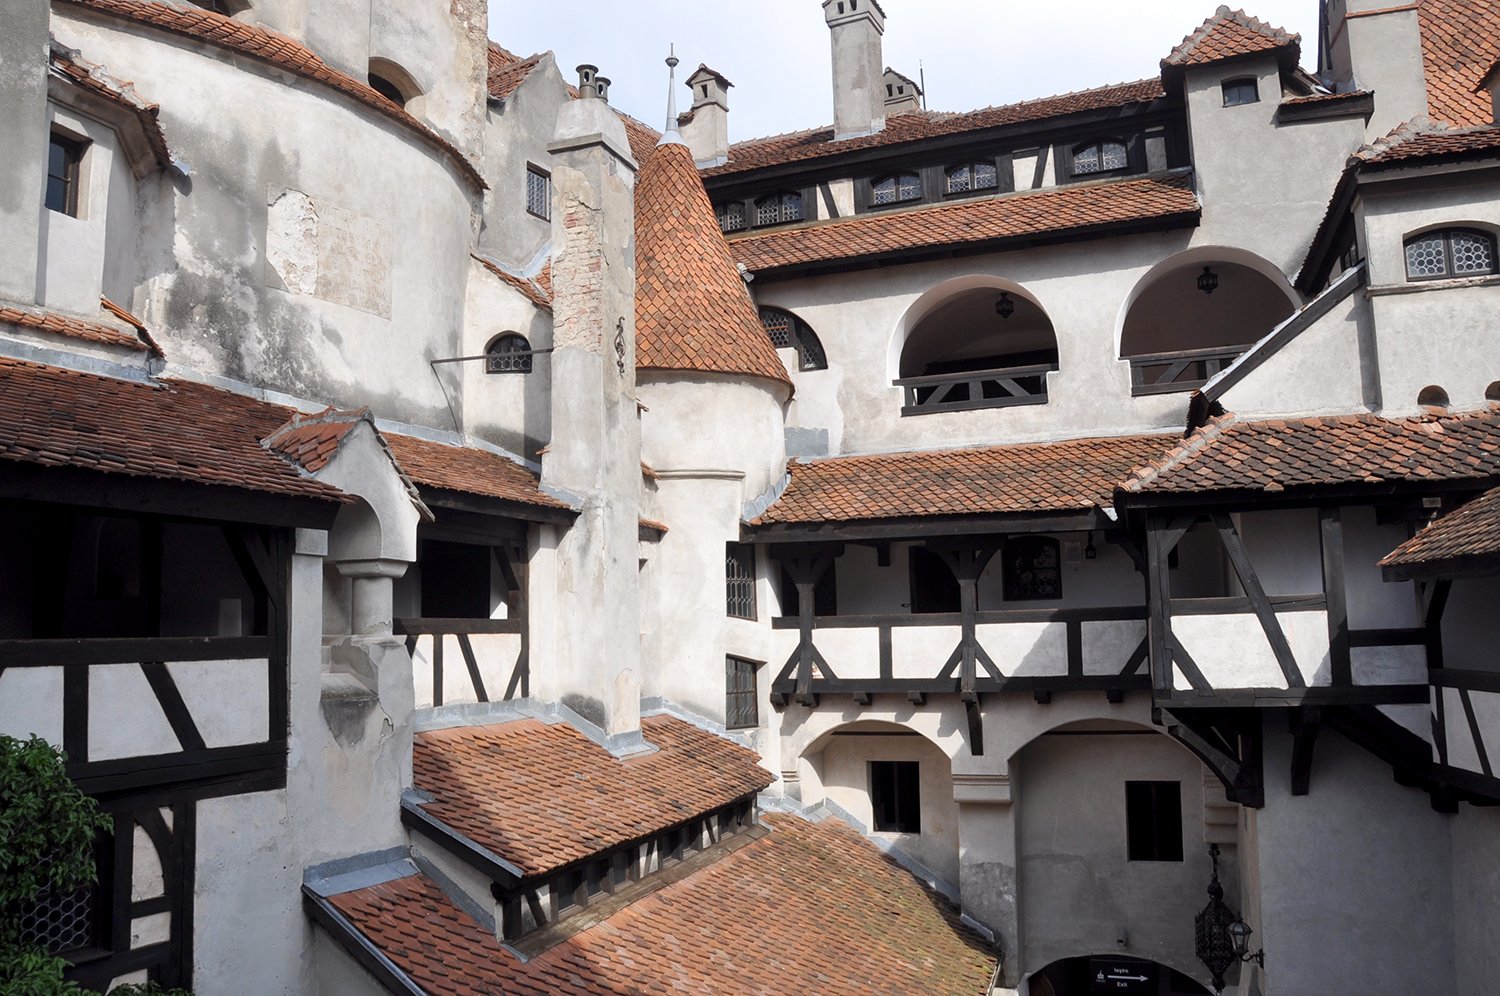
779, 208
1244, 91
538, 193
64, 160
787, 331
739, 580
1031, 568
972, 176
508, 353
740, 705
1099, 157
61, 922
895, 796
731, 216
1153, 821
898, 188
1450, 252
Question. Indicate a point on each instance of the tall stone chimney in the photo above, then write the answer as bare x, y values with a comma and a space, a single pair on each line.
858, 67
1376, 45
705, 127
23, 122
595, 450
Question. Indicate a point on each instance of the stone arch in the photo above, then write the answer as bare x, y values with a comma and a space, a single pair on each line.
956, 323
1076, 974
936, 297
392, 81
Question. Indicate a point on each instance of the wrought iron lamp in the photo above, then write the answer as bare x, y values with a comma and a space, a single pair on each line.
1005, 307
1208, 280
1089, 552
1221, 938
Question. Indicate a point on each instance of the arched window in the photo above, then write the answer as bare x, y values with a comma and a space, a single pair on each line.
1450, 252
1099, 157
787, 331
731, 216
392, 82
898, 188
1031, 568
508, 353
779, 208
972, 176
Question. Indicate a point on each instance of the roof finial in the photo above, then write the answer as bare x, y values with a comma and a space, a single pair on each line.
669, 134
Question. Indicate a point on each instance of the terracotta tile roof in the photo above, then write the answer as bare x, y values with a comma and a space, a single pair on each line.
692, 311
140, 327
1470, 531
542, 797
467, 469
507, 74
972, 222
169, 430
1413, 145
310, 441
278, 50
531, 289
1275, 455
1324, 98
818, 143
1070, 476
1229, 34
1460, 42
69, 65
854, 923
81, 329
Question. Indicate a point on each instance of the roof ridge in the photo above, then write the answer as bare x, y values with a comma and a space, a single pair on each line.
1185, 51
1139, 477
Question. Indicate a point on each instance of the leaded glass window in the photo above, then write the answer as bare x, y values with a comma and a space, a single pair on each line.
972, 176
740, 705
739, 580
508, 353
1099, 157
1452, 252
787, 331
898, 188
778, 208
538, 193
1032, 569
731, 216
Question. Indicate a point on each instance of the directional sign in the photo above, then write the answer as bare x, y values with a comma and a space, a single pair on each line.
1122, 976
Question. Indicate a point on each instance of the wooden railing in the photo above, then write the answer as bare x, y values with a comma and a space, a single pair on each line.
1182, 370
431, 643
973, 389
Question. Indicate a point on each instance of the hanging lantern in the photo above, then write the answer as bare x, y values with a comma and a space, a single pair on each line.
1208, 280
1213, 943
1005, 307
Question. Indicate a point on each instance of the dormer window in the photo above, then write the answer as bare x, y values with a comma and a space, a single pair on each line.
731, 216
64, 162
898, 188
1450, 252
779, 208
1241, 91
508, 353
1099, 157
972, 176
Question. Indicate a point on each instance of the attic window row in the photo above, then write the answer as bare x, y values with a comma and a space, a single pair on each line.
780, 208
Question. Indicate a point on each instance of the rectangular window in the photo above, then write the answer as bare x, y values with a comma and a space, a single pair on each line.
739, 580
64, 157
538, 193
1238, 92
895, 796
1153, 821
740, 709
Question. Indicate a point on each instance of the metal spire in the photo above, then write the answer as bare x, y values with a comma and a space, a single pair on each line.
669, 134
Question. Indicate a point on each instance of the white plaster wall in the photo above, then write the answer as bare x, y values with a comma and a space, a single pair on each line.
495, 653
1475, 836
74, 250
116, 693
224, 719
1232, 650
717, 422
512, 411
442, 44
1329, 367
1469, 625
1284, 549
1382, 52
1374, 603
31, 703
516, 133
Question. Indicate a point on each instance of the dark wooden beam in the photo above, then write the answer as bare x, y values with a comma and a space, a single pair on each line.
1305, 725
1331, 539
1250, 581
1159, 602
915, 528
55, 653
169, 697
975, 721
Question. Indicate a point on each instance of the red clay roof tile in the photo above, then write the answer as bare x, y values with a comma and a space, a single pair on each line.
311, 441
469, 470
1276, 455
544, 796
531, 289
692, 310
1230, 34
1072, 209
507, 75
69, 65
743, 924
1470, 531
1460, 42
1413, 146
280, 51
169, 430
1074, 475
82, 329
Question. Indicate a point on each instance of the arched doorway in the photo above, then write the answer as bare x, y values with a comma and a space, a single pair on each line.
1091, 975
986, 346
1195, 313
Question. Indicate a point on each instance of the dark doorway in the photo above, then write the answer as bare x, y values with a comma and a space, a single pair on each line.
1121, 976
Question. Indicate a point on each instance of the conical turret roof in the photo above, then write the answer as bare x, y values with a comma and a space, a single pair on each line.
692, 310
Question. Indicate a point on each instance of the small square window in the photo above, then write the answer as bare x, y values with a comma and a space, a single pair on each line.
1238, 92
741, 710
64, 162
895, 796
538, 193
1153, 821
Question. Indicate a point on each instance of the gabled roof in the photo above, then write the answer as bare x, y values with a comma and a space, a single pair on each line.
1276, 456
543, 797
101, 333
310, 441
1069, 211
692, 311
853, 923
818, 143
1421, 144
1076, 475
1463, 540
507, 71
70, 65
169, 430
1232, 34
280, 51
1460, 42
530, 288
703, 70
468, 470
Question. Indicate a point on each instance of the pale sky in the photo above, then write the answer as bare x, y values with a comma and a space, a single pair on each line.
776, 52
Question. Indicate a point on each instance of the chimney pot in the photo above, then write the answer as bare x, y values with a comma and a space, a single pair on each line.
601, 87
587, 75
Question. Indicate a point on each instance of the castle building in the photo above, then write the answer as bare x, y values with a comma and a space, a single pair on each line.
471, 541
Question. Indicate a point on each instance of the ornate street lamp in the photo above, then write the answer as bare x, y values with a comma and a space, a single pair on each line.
1005, 307
1208, 280
1221, 938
